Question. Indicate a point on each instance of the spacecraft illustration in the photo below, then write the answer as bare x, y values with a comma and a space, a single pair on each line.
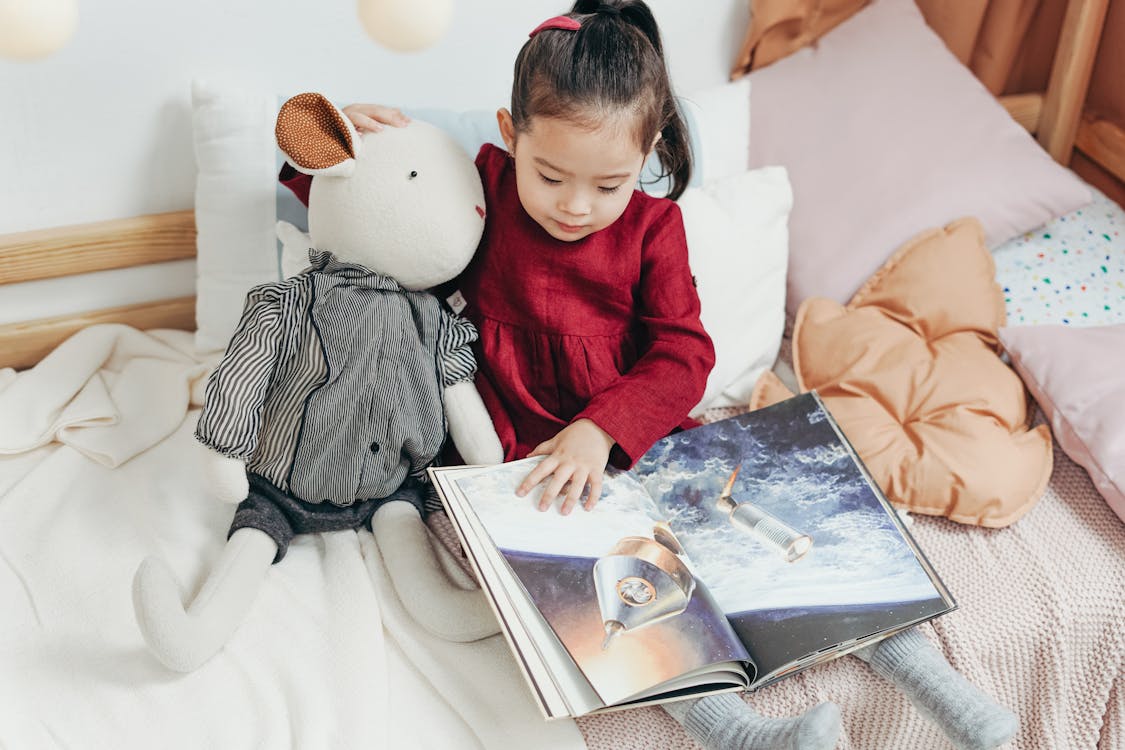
641, 581
765, 526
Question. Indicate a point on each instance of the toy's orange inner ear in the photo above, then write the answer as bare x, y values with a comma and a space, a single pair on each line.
312, 132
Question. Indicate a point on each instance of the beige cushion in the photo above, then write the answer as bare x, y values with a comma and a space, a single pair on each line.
910, 369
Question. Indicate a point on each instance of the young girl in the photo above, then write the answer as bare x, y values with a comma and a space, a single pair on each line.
590, 343
590, 347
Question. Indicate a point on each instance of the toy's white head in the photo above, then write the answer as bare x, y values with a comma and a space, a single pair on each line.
404, 202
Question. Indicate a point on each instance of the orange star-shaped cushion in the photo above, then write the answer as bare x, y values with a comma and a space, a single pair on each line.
911, 371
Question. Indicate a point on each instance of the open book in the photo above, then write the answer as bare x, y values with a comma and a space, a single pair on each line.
730, 555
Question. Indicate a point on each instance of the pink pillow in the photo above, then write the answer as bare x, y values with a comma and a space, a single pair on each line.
884, 132
1076, 375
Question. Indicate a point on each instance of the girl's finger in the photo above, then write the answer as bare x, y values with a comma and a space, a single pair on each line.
363, 123
595, 491
536, 476
398, 117
388, 115
577, 485
554, 487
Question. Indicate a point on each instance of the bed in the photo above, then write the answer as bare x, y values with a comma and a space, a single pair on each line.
98, 468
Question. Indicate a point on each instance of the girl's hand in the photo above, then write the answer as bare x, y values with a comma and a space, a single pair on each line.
578, 456
372, 117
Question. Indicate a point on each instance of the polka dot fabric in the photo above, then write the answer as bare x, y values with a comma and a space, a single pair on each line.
312, 132
1070, 271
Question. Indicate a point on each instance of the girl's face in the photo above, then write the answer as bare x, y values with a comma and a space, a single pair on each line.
572, 181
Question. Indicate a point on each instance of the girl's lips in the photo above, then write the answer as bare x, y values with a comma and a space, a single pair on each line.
572, 228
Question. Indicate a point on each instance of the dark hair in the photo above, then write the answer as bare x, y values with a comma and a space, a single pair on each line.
613, 63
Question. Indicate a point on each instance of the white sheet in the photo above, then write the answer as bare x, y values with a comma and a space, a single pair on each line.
327, 657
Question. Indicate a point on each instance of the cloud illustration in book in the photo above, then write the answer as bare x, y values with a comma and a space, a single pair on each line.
798, 471
794, 467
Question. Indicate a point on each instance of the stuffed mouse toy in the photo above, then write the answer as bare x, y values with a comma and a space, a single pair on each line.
340, 383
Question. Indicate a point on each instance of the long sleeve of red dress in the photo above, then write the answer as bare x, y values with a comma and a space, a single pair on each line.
655, 395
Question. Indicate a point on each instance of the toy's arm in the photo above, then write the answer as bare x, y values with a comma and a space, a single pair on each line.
469, 424
236, 390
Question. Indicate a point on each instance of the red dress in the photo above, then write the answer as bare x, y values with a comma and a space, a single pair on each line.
605, 328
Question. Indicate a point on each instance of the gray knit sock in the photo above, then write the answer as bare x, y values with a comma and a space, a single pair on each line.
726, 722
970, 719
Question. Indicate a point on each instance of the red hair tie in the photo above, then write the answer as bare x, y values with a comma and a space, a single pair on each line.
565, 23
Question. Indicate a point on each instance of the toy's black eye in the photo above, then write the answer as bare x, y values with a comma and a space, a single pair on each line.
413, 174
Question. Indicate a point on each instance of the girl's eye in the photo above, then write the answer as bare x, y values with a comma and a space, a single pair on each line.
548, 180
413, 173
609, 190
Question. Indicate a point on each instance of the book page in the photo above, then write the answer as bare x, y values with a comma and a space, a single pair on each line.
800, 550
553, 676
556, 698
627, 608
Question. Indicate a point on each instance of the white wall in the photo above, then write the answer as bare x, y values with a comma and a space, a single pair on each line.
102, 129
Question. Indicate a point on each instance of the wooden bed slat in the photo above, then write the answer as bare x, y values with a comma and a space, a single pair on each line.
24, 344
1024, 109
105, 245
1070, 76
1104, 142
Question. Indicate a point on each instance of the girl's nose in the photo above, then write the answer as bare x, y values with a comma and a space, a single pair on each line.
575, 203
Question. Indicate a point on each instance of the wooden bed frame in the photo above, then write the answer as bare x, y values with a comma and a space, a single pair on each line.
1054, 116
84, 248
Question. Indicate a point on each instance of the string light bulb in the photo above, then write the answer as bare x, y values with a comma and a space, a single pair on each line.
405, 25
33, 29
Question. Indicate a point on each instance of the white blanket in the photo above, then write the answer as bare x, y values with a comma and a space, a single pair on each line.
99, 468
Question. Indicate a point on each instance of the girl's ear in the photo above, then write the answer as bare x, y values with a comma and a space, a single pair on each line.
507, 128
655, 141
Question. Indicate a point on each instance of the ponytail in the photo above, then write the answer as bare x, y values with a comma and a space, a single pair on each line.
674, 148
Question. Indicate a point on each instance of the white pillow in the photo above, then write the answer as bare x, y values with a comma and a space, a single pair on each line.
738, 245
721, 141
235, 209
